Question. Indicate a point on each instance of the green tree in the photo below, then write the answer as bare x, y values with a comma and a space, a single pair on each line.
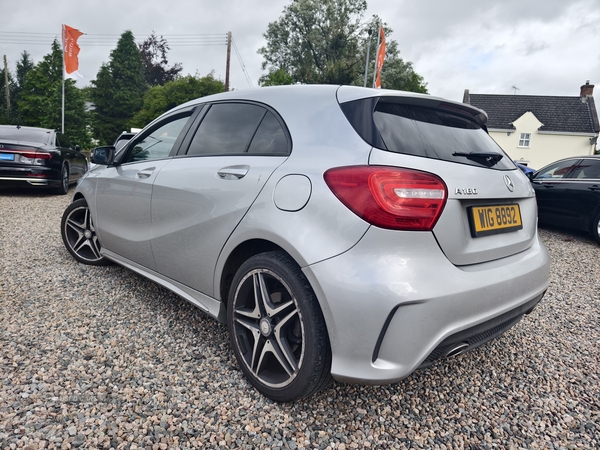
118, 90
324, 41
7, 116
160, 99
24, 66
40, 100
316, 41
276, 78
154, 57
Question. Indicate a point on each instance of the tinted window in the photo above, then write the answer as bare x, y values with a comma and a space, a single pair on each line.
557, 170
158, 143
25, 134
426, 132
227, 128
436, 134
587, 169
269, 138
62, 141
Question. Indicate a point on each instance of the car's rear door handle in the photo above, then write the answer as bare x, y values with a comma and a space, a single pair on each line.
594, 187
233, 172
145, 173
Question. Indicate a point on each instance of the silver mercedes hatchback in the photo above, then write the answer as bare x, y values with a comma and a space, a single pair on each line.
340, 232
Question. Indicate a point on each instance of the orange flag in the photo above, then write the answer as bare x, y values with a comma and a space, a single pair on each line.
71, 52
380, 58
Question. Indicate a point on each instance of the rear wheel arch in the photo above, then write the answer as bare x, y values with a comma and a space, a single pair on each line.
239, 256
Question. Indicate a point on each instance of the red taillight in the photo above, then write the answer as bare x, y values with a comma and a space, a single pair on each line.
389, 197
37, 155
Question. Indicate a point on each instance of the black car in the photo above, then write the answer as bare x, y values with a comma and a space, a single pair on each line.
32, 156
568, 194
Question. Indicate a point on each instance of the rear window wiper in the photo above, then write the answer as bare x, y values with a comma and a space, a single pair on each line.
488, 159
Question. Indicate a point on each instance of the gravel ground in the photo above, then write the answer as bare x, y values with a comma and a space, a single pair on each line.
103, 358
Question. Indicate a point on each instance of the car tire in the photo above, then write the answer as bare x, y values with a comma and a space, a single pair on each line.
64, 181
277, 330
79, 235
596, 228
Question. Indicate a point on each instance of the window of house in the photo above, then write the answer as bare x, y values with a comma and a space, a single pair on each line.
524, 139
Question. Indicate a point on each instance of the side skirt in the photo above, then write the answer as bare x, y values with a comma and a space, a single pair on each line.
209, 305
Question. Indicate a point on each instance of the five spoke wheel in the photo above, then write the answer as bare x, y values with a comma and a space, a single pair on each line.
268, 327
79, 234
276, 328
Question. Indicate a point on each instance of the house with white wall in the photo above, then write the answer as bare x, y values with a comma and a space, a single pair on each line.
536, 130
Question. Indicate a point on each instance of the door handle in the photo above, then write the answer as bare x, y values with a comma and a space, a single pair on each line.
548, 186
145, 173
233, 172
594, 187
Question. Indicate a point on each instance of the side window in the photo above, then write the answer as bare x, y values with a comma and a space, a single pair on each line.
269, 138
158, 143
587, 169
227, 128
62, 141
557, 171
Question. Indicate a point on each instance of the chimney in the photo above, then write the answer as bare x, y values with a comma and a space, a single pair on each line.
587, 90
466, 97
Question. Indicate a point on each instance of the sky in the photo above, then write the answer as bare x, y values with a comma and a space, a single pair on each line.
521, 47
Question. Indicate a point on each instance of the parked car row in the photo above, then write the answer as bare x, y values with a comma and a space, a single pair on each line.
311, 220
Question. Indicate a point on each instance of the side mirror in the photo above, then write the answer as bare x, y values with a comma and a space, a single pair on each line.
103, 155
77, 148
530, 175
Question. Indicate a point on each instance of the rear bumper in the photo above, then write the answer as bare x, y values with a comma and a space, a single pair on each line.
29, 176
394, 300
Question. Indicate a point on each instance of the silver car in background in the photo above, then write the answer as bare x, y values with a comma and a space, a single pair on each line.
340, 232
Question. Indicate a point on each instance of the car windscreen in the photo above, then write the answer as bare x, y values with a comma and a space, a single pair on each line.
25, 135
427, 132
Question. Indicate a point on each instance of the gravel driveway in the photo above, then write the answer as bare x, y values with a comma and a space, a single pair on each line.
103, 358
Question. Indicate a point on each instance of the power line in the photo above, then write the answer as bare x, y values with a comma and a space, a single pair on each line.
242, 64
96, 40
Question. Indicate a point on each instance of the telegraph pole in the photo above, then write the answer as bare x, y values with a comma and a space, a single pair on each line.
6, 84
228, 61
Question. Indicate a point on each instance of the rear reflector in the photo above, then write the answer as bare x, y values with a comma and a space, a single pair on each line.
31, 154
390, 197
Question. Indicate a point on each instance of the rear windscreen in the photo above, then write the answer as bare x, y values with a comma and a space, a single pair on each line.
25, 135
426, 132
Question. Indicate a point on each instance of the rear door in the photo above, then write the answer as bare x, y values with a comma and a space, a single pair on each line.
579, 195
75, 159
553, 190
201, 196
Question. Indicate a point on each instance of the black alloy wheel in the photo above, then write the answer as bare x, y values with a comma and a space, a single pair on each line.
79, 234
64, 181
596, 228
277, 329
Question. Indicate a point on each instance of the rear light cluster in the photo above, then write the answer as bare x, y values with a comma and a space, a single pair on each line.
390, 197
36, 155
30, 154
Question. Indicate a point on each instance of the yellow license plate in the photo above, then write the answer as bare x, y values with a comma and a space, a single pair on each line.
486, 220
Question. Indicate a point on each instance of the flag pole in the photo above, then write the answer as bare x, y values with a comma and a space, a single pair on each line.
63, 81
367, 60
377, 49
